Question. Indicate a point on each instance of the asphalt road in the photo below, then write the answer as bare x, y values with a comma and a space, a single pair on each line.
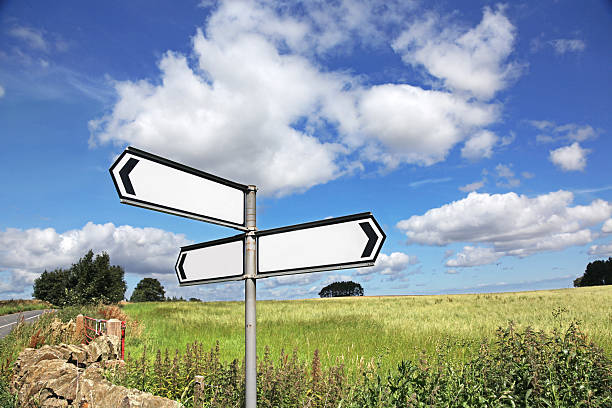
8, 322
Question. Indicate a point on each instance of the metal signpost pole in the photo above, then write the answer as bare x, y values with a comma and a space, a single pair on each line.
156, 183
250, 321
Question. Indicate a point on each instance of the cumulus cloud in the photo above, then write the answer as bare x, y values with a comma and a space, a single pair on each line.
1, 91
418, 126
508, 224
283, 121
570, 158
479, 146
392, 264
473, 60
474, 256
601, 250
607, 227
27, 253
564, 45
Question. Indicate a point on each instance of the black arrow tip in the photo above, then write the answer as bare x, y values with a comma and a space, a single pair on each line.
124, 173
372, 238
180, 266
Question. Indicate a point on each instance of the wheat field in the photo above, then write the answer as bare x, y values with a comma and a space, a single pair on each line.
382, 329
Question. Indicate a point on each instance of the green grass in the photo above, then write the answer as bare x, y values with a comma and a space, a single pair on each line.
388, 329
16, 306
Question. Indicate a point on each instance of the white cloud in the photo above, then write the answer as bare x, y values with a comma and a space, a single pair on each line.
527, 175
418, 183
472, 186
1, 91
452, 271
601, 250
34, 38
471, 60
564, 45
416, 125
300, 279
569, 132
480, 145
510, 224
570, 158
474, 256
27, 253
282, 121
607, 227
392, 264
505, 176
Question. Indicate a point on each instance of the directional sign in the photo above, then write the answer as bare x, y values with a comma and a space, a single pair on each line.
212, 261
336, 243
145, 180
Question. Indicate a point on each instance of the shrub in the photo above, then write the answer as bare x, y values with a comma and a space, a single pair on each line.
528, 368
520, 368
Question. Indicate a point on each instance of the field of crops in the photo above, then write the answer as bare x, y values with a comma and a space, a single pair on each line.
387, 329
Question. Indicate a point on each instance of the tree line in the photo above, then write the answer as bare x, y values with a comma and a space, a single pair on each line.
94, 280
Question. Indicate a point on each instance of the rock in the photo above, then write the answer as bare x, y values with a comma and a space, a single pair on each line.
71, 375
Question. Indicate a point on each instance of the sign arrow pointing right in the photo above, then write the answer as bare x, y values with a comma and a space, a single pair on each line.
336, 243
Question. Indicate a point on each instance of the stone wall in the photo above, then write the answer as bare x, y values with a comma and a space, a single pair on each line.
72, 376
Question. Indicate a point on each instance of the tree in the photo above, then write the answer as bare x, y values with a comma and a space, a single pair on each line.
596, 273
337, 289
90, 280
148, 290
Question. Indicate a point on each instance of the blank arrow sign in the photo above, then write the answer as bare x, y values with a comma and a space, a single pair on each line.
145, 180
336, 243
212, 261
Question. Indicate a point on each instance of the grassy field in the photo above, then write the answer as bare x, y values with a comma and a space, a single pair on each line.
388, 329
15, 306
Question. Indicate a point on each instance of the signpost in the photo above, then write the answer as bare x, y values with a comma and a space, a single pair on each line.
149, 181
352, 241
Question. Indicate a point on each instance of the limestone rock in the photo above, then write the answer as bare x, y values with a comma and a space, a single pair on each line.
71, 375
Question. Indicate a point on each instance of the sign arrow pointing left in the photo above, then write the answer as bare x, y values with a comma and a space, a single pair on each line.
146, 180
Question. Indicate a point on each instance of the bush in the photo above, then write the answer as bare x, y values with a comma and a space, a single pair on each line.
528, 368
521, 369
285, 383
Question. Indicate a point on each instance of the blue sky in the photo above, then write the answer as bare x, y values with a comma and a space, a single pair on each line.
476, 132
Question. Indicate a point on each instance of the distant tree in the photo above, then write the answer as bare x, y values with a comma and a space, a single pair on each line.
90, 280
194, 299
578, 282
338, 289
148, 290
596, 273
52, 286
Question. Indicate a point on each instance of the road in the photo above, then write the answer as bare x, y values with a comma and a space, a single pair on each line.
8, 322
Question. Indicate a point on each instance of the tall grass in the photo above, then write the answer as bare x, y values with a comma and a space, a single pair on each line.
520, 368
390, 329
18, 305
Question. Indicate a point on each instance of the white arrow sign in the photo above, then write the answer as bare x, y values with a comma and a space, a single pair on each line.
336, 243
145, 180
213, 261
